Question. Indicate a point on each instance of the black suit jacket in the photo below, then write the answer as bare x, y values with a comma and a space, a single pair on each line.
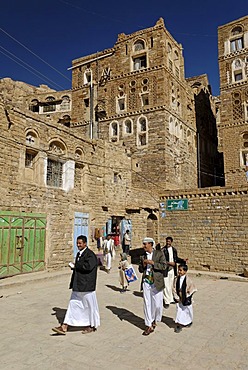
176, 259
84, 273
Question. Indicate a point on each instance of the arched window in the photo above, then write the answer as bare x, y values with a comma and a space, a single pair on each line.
142, 131
127, 127
49, 106
139, 45
114, 131
237, 39
65, 104
34, 106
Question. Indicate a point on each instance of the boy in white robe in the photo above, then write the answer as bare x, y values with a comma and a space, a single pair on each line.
183, 290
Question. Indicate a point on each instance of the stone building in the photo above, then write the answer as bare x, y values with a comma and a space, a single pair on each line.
45, 102
233, 131
134, 95
55, 185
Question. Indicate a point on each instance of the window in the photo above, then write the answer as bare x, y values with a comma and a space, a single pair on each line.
121, 104
54, 173
87, 76
237, 44
114, 131
142, 123
139, 63
144, 99
246, 110
86, 102
142, 132
115, 177
29, 159
65, 105
139, 45
34, 106
128, 127
238, 76
49, 106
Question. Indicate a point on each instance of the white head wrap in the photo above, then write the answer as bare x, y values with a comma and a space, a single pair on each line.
149, 240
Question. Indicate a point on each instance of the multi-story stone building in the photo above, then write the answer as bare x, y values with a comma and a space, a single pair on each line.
135, 95
233, 131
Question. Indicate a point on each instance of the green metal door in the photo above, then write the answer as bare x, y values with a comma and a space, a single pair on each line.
22, 242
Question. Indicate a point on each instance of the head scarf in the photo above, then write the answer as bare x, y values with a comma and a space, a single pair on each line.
149, 240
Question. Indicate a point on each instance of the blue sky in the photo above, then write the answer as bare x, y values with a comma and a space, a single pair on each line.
47, 35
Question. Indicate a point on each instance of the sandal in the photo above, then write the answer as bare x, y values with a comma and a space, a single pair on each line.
88, 329
59, 330
154, 324
148, 331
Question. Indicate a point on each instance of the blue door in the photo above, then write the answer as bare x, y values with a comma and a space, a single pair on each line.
81, 227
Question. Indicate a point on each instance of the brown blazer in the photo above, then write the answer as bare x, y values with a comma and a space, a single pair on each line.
158, 268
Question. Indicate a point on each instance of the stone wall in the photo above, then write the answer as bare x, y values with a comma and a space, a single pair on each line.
213, 232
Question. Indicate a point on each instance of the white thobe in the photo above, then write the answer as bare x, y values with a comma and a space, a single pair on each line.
153, 301
184, 314
169, 280
83, 310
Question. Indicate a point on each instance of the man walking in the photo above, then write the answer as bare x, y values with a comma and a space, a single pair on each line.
109, 251
83, 307
170, 272
152, 264
126, 242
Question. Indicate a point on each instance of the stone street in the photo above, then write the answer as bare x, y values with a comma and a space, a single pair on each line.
32, 304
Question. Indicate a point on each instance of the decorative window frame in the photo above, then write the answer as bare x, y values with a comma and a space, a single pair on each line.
121, 103
139, 58
124, 127
142, 135
88, 77
238, 67
112, 136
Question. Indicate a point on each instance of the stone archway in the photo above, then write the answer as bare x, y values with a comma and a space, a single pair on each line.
152, 227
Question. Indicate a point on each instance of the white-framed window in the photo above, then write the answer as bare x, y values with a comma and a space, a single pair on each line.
50, 105
65, 104
121, 104
144, 99
142, 131
236, 44
127, 127
246, 110
87, 76
54, 175
139, 62
238, 70
114, 131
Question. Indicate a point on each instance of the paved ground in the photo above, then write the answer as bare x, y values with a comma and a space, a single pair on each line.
32, 304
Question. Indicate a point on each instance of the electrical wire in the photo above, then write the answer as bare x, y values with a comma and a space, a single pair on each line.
37, 56
41, 74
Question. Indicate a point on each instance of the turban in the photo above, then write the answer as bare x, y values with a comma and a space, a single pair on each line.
149, 240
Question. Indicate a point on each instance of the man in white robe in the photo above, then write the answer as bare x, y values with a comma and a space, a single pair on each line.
83, 308
152, 264
109, 252
170, 273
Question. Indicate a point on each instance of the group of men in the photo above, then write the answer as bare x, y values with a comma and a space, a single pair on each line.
158, 268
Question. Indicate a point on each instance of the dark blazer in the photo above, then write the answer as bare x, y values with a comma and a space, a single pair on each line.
158, 268
176, 259
84, 273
